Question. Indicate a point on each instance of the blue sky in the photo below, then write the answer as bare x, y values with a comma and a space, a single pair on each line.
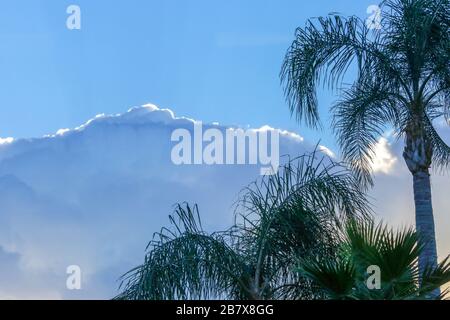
94, 196
213, 60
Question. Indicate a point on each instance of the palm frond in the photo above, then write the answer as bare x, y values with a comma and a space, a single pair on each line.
185, 262
360, 118
435, 278
441, 151
336, 277
321, 52
394, 252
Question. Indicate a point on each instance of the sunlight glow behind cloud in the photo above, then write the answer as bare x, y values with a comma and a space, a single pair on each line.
384, 160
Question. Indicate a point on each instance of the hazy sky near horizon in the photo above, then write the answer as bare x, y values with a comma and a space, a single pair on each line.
207, 59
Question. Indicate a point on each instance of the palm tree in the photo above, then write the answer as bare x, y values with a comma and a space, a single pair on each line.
394, 254
402, 82
283, 217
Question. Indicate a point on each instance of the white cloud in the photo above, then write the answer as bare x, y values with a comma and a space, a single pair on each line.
383, 161
93, 196
6, 141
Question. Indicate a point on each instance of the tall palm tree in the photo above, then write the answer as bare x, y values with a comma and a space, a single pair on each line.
293, 214
402, 82
394, 252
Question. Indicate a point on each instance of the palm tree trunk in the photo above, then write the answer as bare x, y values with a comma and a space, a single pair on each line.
425, 223
418, 155
424, 219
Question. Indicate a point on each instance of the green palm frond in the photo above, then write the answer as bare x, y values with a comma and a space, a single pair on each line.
185, 262
337, 277
394, 252
360, 118
321, 53
441, 150
434, 278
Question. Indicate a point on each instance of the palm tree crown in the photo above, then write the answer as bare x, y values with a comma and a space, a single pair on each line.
403, 76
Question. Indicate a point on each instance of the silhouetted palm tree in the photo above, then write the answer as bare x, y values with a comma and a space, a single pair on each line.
403, 82
293, 214
391, 255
